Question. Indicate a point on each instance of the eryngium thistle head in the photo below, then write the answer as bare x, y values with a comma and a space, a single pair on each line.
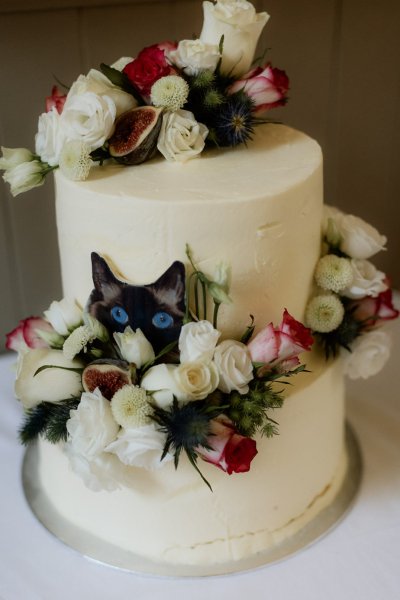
234, 123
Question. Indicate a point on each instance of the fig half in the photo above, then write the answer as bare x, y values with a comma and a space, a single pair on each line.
135, 136
109, 377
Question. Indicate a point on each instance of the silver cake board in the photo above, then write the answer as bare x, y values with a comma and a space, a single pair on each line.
93, 548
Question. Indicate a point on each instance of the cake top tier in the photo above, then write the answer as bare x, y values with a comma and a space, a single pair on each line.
278, 159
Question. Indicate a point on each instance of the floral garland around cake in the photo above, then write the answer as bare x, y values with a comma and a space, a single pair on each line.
113, 402
352, 298
173, 97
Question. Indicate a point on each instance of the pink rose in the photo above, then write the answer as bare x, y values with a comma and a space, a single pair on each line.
56, 100
267, 87
148, 67
229, 450
25, 335
375, 310
280, 347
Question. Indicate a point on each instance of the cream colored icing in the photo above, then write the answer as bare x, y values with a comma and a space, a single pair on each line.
171, 516
259, 209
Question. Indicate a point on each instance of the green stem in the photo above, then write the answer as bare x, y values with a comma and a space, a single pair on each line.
196, 298
215, 315
187, 296
204, 300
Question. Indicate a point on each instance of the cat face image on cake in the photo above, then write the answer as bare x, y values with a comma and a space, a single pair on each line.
157, 308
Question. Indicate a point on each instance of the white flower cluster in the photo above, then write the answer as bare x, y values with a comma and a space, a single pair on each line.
205, 366
349, 275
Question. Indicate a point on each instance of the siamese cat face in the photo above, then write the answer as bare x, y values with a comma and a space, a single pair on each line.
157, 308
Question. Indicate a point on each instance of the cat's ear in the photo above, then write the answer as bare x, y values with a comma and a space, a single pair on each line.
173, 279
101, 272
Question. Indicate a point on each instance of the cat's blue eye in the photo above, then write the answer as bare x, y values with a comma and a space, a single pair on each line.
119, 315
162, 320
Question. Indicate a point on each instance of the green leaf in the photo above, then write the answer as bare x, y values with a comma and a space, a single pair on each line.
43, 367
192, 459
35, 423
121, 80
249, 331
164, 351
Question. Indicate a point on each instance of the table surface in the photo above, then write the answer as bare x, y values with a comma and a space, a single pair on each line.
358, 559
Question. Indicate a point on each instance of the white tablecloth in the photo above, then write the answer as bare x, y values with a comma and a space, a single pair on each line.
360, 559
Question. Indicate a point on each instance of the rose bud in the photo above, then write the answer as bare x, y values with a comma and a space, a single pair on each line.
279, 347
27, 335
374, 311
267, 87
56, 100
229, 450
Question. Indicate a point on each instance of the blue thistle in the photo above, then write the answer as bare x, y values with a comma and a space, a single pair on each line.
235, 122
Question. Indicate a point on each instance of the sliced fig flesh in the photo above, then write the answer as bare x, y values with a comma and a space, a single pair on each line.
135, 136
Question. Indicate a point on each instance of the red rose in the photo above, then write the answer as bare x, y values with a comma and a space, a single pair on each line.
375, 310
148, 67
25, 335
229, 450
267, 87
56, 100
279, 347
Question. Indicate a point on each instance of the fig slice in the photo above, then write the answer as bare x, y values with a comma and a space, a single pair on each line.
109, 376
135, 135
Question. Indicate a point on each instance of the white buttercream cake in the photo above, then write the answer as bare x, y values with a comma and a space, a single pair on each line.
258, 208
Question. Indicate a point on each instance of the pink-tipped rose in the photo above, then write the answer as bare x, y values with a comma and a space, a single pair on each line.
230, 451
56, 100
374, 311
26, 334
280, 347
148, 67
267, 87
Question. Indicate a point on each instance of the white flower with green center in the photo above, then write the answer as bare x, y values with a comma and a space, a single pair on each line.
130, 407
333, 273
324, 313
98, 330
75, 161
170, 92
77, 341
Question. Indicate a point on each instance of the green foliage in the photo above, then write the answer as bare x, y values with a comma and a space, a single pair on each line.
250, 412
49, 420
121, 80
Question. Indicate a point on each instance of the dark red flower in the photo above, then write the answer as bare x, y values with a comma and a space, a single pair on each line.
229, 450
148, 67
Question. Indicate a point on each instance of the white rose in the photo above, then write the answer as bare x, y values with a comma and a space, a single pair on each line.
134, 346
88, 117
140, 447
14, 156
160, 382
234, 365
102, 472
50, 385
241, 27
369, 353
91, 426
189, 381
64, 315
194, 56
95, 81
121, 63
359, 239
181, 136
367, 280
197, 379
50, 137
197, 341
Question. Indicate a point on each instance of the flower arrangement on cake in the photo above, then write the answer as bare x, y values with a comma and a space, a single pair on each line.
174, 98
106, 393
353, 298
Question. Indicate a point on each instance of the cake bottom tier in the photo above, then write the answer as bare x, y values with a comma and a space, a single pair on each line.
171, 516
